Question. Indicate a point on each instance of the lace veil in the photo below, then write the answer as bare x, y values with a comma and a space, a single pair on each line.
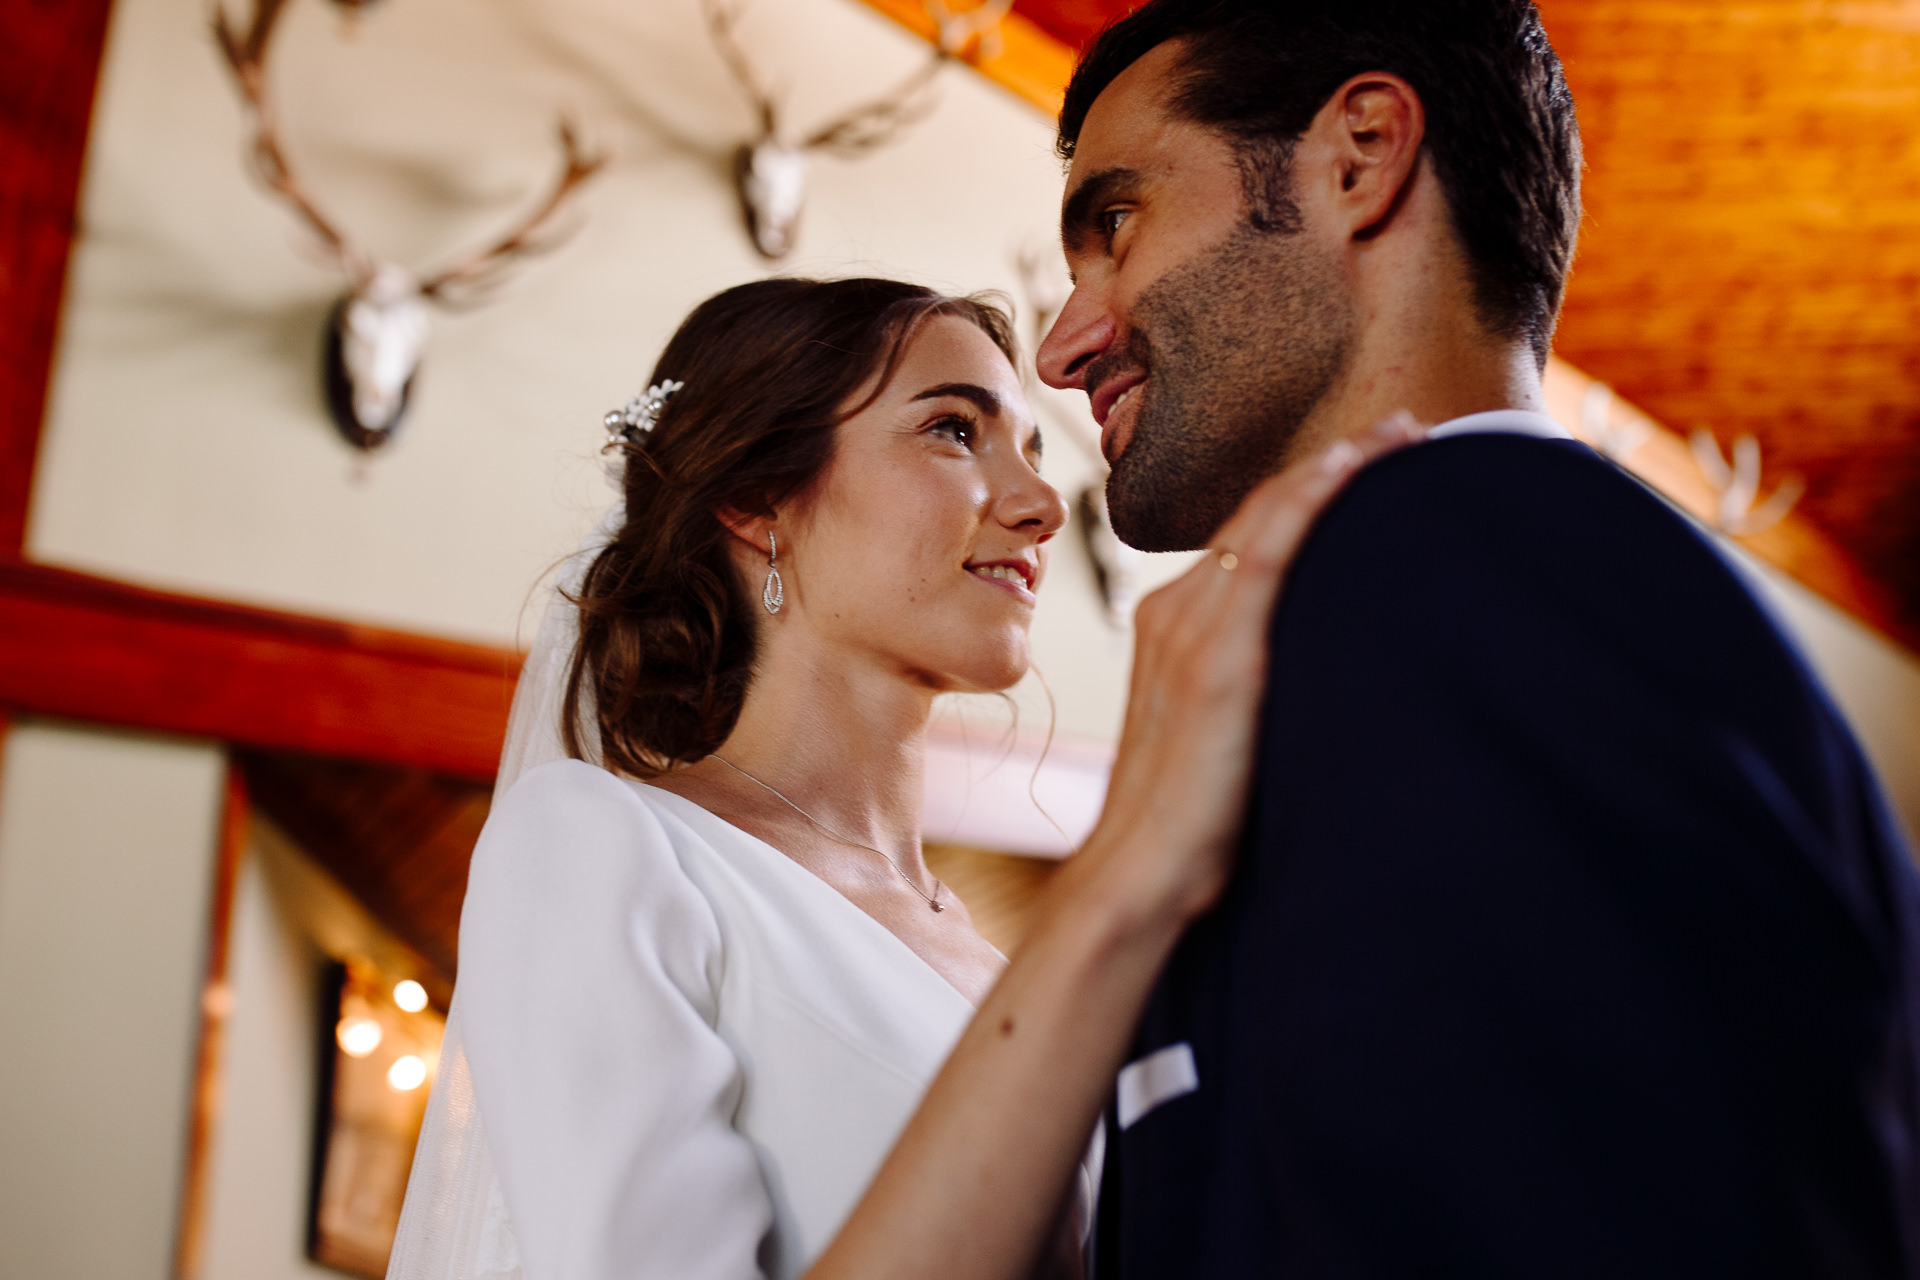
454, 1223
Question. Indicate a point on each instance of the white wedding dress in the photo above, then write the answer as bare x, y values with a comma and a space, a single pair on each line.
687, 1054
673, 1052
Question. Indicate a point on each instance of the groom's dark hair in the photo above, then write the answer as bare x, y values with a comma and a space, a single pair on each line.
1500, 125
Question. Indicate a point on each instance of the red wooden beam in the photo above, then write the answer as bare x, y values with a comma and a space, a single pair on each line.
49, 61
91, 649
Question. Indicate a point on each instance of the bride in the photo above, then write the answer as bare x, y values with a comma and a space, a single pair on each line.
715, 1017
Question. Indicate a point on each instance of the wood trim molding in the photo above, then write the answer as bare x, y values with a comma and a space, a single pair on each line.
89, 648
1024, 59
49, 63
216, 1003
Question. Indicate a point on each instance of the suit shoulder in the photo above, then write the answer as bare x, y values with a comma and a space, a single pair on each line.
1532, 564
1492, 481
1512, 518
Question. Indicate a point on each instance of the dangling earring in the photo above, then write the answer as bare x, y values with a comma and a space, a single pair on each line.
774, 594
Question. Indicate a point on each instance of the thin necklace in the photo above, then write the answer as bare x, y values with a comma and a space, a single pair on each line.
933, 901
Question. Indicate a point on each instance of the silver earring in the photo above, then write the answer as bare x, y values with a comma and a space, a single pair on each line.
774, 594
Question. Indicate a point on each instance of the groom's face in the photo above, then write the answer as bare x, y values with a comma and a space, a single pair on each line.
1203, 342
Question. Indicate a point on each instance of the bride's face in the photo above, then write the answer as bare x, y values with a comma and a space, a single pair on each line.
921, 547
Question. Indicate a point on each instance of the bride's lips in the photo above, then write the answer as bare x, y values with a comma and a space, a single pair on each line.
1016, 576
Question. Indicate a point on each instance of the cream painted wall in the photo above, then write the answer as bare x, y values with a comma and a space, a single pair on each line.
107, 846
186, 443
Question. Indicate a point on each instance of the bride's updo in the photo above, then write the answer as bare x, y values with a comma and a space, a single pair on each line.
769, 370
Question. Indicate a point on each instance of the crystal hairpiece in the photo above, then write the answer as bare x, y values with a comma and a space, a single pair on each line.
631, 423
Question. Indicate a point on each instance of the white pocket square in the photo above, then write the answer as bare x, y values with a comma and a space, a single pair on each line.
1160, 1077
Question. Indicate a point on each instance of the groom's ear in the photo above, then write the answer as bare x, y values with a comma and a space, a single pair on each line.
1370, 132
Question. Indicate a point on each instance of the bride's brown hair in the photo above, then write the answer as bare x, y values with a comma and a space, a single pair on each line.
770, 371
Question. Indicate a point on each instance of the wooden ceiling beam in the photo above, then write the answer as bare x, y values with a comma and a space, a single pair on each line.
92, 649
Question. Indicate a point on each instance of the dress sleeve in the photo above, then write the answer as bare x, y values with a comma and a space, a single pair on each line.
589, 964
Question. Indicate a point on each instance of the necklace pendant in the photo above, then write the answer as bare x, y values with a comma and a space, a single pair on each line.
936, 906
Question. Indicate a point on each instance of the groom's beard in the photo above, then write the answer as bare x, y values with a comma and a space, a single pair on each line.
1239, 346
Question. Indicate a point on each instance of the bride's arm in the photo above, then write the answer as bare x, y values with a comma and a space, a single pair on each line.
973, 1187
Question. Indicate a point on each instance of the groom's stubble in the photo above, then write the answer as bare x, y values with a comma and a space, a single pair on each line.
1239, 345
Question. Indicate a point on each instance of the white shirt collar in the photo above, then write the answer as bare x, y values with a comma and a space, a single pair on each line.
1522, 422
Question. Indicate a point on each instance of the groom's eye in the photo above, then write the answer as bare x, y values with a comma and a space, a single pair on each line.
1110, 220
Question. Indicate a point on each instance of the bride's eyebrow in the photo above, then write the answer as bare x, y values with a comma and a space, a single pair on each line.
984, 400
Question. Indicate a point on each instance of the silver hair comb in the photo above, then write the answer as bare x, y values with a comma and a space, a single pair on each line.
631, 423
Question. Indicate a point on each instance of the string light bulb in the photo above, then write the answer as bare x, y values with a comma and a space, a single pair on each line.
357, 1037
410, 995
407, 1072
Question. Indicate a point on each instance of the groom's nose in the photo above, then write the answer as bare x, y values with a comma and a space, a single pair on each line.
1083, 329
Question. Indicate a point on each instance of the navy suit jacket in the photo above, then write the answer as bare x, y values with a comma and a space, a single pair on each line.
1570, 936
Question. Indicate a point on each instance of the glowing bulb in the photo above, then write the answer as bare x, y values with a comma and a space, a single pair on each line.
357, 1037
410, 995
407, 1073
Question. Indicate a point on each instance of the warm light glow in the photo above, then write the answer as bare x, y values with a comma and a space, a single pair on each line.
358, 1037
407, 1073
410, 995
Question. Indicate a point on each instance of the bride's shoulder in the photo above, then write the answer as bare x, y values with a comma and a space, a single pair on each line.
566, 788
574, 860
572, 814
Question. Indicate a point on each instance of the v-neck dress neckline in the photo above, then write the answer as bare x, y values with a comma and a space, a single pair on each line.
807, 883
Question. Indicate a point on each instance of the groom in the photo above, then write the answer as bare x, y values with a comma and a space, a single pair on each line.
1570, 936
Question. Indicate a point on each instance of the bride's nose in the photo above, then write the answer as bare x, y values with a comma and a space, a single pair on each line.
1030, 503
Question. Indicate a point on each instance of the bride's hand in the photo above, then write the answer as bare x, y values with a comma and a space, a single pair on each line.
976, 1176
1179, 786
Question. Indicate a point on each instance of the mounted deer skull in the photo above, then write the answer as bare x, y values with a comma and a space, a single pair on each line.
378, 329
770, 171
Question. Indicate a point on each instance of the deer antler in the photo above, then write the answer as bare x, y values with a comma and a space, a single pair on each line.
880, 120
1737, 486
877, 122
770, 171
479, 270
721, 20
957, 34
246, 55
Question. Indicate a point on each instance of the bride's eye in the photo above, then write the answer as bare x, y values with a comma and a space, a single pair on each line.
955, 428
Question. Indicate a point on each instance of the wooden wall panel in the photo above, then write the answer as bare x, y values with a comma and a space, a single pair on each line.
1750, 261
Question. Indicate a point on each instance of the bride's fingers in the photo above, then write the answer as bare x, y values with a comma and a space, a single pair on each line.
1257, 544
1240, 577
1278, 520
1277, 514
